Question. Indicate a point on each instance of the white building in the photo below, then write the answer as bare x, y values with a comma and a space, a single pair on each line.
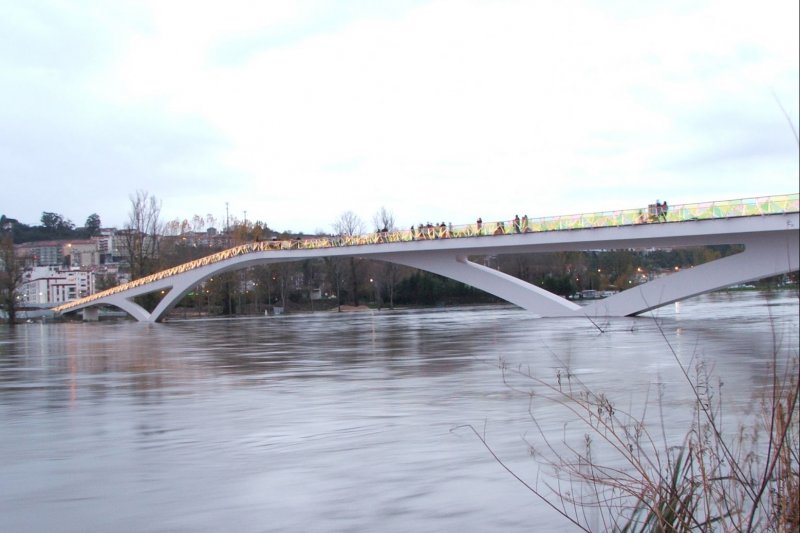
81, 253
106, 245
49, 285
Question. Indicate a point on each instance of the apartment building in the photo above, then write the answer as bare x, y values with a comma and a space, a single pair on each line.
81, 253
42, 253
52, 285
106, 245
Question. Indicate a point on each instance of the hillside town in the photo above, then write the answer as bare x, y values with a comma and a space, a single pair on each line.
60, 270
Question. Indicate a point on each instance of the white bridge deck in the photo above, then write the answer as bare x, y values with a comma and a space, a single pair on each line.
766, 227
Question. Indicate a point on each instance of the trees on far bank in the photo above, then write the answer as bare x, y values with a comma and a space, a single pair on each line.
386, 275
11, 270
141, 234
54, 226
92, 225
349, 225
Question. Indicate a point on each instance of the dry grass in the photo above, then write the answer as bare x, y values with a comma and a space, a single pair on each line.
746, 480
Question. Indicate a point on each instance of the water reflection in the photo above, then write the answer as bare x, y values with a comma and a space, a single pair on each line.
332, 421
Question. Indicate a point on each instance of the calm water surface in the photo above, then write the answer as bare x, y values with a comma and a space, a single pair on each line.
336, 422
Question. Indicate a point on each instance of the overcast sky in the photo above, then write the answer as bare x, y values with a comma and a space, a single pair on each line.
440, 110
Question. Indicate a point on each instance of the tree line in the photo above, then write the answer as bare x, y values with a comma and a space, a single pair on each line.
53, 227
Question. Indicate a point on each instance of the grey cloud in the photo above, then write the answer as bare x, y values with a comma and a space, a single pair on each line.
725, 135
72, 38
63, 149
96, 159
323, 16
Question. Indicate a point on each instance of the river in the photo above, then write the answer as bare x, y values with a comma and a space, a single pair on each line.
339, 421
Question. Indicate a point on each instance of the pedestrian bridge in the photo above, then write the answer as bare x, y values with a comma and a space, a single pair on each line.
767, 227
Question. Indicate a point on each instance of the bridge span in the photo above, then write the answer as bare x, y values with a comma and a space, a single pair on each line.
768, 228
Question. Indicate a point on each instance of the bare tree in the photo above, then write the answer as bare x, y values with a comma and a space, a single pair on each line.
198, 223
239, 231
140, 237
333, 268
259, 232
386, 276
349, 225
11, 269
383, 219
171, 228
285, 272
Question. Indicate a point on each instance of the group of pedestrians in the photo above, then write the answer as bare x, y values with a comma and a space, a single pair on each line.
518, 225
432, 231
661, 210
656, 212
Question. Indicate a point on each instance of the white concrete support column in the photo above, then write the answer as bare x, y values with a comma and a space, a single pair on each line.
509, 288
129, 306
182, 285
768, 255
176, 287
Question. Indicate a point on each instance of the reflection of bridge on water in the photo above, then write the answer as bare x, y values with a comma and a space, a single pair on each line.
767, 228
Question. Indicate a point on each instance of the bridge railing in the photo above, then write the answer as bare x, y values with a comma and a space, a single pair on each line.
766, 205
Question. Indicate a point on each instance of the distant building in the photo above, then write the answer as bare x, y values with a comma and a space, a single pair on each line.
106, 245
209, 239
51, 285
81, 253
42, 253
7, 224
68, 253
129, 240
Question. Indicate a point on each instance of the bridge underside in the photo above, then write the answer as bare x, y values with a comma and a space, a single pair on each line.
758, 260
765, 255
